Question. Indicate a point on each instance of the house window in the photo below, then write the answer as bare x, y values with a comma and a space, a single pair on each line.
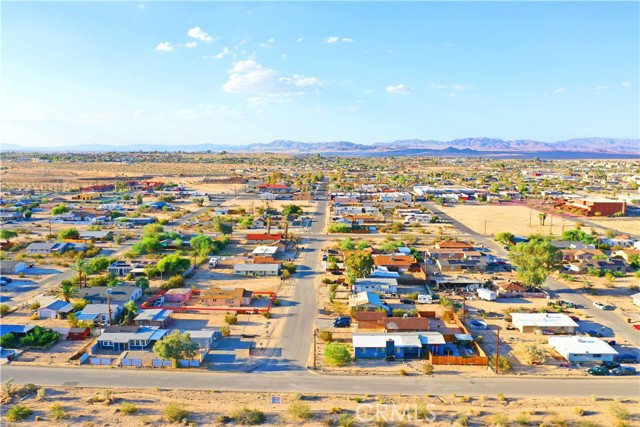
107, 343
596, 355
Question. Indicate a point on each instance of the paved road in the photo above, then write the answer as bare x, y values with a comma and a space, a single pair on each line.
623, 331
296, 337
306, 382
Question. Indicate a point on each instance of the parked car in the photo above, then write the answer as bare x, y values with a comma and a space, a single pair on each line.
407, 301
6, 279
626, 358
336, 272
393, 295
599, 305
593, 333
624, 370
610, 365
342, 322
383, 302
598, 370
574, 318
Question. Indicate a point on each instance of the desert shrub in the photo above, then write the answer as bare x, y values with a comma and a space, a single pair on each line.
57, 411
427, 368
225, 331
300, 410
335, 410
500, 420
249, 417
403, 372
175, 412
4, 309
18, 413
346, 420
337, 354
326, 336
128, 408
522, 419
618, 411
231, 318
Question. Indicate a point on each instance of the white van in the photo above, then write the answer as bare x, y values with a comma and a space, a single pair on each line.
213, 262
425, 299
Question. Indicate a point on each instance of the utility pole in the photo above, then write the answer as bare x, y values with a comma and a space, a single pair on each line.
109, 305
530, 213
49, 226
485, 226
315, 342
497, 350
551, 226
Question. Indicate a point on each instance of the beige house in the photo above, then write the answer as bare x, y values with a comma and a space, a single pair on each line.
227, 297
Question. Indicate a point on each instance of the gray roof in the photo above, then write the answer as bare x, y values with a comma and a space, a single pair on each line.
256, 267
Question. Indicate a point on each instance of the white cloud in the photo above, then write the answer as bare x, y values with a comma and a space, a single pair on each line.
602, 87
164, 47
452, 86
336, 39
141, 6
283, 55
627, 85
197, 33
399, 89
555, 91
190, 45
251, 77
300, 40
347, 39
222, 54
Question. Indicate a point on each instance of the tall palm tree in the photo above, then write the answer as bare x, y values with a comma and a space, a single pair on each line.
542, 216
81, 267
67, 290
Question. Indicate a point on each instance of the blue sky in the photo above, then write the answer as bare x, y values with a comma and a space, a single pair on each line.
252, 72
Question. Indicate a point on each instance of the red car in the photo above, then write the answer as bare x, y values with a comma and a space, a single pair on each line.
636, 327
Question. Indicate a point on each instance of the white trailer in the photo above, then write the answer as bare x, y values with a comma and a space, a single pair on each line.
486, 294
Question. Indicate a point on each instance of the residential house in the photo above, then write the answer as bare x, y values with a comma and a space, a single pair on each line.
120, 268
119, 294
96, 235
204, 338
407, 345
231, 297
265, 250
48, 248
380, 285
453, 245
572, 244
256, 269
99, 313
121, 338
258, 238
580, 254
367, 301
399, 263
178, 295
370, 320
601, 265
153, 317
274, 188
555, 323
626, 254
12, 267
583, 349
509, 290
52, 308
78, 334
18, 331
405, 324
621, 240
460, 265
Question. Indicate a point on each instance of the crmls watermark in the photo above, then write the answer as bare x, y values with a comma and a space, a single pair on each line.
391, 412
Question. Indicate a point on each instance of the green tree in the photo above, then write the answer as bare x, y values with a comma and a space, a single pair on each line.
579, 235
359, 264
147, 245
67, 290
131, 310
218, 224
176, 346
7, 234
337, 354
535, 260
173, 264
142, 282
138, 199
291, 210
203, 245
198, 201
98, 264
68, 233
28, 214
610, 233
152, 229
542, 217
60, 209
505, 238
347, 244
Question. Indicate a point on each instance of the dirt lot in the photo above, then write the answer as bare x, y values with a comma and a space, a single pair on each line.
209, 408
499, 218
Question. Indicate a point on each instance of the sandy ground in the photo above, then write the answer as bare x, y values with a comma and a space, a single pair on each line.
208, 408
499, 218
625, 225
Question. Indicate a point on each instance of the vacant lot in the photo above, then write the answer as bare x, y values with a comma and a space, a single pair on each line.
209, 408
499, 218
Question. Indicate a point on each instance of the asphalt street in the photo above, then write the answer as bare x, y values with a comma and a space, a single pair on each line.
306, 382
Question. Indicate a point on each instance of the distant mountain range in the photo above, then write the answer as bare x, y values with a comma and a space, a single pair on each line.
460, 147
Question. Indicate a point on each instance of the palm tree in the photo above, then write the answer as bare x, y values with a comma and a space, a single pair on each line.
67, 290
542, 216
81, 267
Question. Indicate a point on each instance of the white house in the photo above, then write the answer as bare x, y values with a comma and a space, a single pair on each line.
256, 269
554, 322
381, 285
582, 349
99, 312
51, 307
636, 299
621, 240
12, 267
